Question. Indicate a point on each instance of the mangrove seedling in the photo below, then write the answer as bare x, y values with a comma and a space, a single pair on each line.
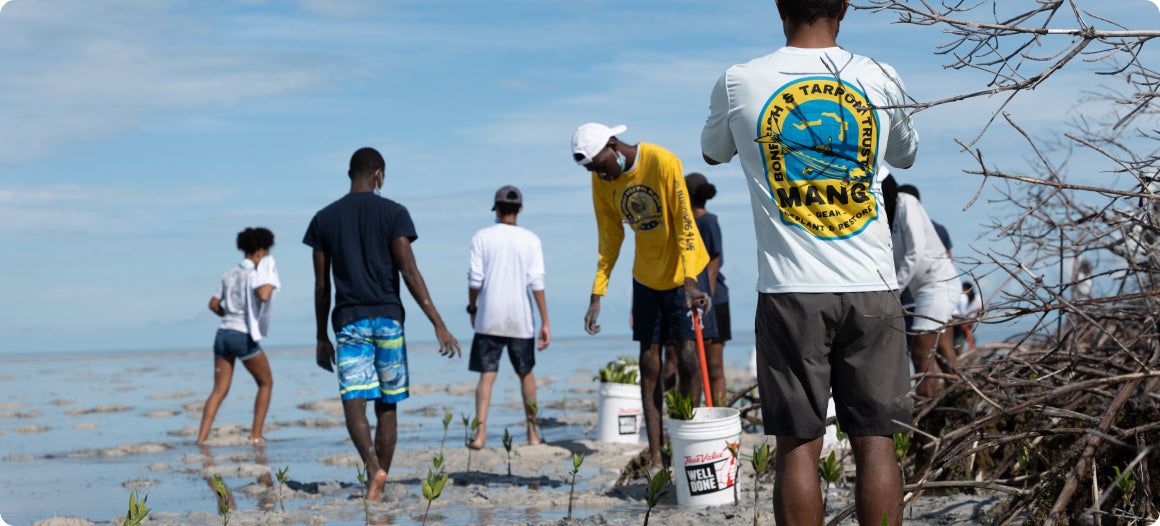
680, 406
281, 474
438, 462
831, 470
577, 459
1125, 483
223, 496
623, 370
1024, 458
901, 446
474, 426
466, 436
507, 445
760, 462
432, 488
734, 450
362, 482
446, 421
655, 490
137, 510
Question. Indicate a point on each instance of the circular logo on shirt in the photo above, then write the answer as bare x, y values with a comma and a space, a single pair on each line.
819, 144
641, 207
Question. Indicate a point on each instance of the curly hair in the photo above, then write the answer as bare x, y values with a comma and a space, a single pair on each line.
807, 11
252, 240
702, 194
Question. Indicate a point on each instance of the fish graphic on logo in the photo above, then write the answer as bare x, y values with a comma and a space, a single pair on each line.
819, 145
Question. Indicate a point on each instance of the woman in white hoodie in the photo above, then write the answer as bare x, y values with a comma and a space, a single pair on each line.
921, 264
243, 300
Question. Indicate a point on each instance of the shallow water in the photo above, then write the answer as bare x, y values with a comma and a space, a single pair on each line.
67, 469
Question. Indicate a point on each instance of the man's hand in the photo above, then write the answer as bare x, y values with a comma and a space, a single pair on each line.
545, 338
324, 355
590, 317
448, 345
695, 297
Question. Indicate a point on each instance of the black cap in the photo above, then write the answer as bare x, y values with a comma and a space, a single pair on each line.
509, 194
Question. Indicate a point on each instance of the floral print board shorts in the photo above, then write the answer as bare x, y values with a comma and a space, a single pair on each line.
372, 361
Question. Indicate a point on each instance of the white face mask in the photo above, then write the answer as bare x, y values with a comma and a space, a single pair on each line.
379, 187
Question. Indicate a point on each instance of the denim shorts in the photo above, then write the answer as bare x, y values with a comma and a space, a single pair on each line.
229, 343
372, 361
486, 350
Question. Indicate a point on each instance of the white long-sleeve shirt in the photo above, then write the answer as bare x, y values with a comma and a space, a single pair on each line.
507, 263
919, 255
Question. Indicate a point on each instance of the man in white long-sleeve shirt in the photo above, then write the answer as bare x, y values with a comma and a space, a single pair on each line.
921, 264
506, 263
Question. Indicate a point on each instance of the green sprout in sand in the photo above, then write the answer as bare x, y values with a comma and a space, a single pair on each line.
655, 490
1125, 483
362, 482
474, 426
466, 437
760, 462
901, 446
507, 444
446, 421
137, 510
577, 459
831, 470
223, 496
282, 483
432, 488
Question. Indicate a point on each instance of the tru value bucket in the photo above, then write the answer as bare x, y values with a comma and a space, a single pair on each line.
620, 413
704, 471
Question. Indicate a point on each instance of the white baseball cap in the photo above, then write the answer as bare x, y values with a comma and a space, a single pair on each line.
590, 138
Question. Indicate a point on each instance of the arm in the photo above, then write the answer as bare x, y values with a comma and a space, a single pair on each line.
474, 276
694, 258
472, 295
545, 329
713, 269
405, 261
903, 146
716, 138
215, 305
264, 292
611, 235
323, 349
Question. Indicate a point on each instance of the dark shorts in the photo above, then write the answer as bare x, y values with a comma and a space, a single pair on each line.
229, 343
660, 316
724, 323
851, 343
486, 350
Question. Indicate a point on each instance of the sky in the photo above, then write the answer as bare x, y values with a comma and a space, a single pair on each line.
140, 136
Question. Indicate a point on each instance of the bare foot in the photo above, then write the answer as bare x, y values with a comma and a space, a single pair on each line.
533, 438
480, 438
258, 440
376, 485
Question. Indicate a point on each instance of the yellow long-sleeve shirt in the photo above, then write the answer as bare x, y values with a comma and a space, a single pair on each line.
651, 197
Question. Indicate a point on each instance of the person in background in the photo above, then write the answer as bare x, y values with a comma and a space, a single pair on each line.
365, 241
969, 306
828, 314
643, 185
507, 263
712, 281
243, 300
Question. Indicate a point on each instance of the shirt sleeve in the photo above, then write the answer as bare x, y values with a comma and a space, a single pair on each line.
266, 273
313, 236
475, 268
716, 138
903, 146
536, 268
401, 224
693, 255
611, 235
220, 290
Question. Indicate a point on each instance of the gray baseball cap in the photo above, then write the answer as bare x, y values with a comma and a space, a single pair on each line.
509, 194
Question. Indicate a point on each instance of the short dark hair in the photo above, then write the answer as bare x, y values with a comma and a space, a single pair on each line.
365, 161
252, 240
703, 193
507, 209
807, 11
909, 189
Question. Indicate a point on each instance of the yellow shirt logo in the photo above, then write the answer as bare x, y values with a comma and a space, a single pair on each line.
819, 141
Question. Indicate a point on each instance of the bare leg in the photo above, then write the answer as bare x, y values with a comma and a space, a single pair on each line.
878, 490
223, 374
259, 368
355, 412
669, 367
797, 493
528, 391
482, 401
650, 396
386, 435
920, 349
946, 347
715, 361
689, 371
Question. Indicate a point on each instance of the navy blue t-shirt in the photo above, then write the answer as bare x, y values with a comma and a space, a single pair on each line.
356, 232
711, 235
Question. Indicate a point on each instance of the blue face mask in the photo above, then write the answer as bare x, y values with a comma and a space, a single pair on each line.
620, 160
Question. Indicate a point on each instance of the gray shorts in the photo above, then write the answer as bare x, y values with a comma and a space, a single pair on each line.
853, 343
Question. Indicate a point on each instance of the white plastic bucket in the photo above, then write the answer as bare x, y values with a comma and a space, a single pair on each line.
704, 471
620, 413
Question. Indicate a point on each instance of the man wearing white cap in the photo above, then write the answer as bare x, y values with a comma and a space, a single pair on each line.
644, 185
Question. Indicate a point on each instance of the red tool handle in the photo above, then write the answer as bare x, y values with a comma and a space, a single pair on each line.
701, 353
